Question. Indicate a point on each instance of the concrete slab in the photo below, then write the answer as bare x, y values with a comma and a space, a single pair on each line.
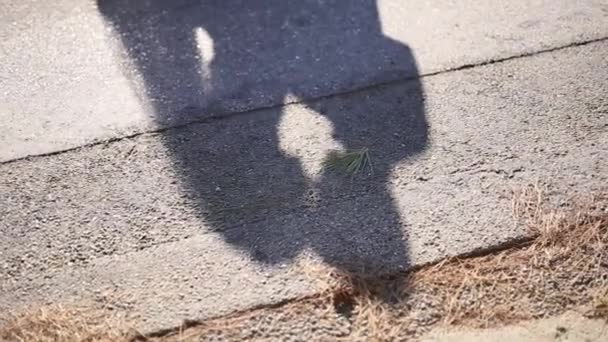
75, 72
244, 196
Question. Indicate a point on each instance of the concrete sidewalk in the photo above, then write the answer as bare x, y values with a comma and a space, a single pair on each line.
74, 72
123, 219
167, 160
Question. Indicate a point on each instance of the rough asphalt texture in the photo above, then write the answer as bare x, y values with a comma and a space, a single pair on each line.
208, 218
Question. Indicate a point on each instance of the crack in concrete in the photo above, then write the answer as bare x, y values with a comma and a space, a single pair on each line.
230, 115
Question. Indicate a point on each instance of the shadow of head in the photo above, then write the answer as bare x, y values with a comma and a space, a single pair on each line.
205, 59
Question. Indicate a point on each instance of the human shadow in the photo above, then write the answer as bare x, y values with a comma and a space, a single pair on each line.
264, 53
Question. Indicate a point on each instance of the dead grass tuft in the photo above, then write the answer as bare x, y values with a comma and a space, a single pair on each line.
561, 267
60, 324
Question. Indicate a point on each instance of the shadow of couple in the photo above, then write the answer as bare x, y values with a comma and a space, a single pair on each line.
201, 60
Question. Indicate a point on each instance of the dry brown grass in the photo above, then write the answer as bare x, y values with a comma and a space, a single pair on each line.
600, 305
61, 324
563, 267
